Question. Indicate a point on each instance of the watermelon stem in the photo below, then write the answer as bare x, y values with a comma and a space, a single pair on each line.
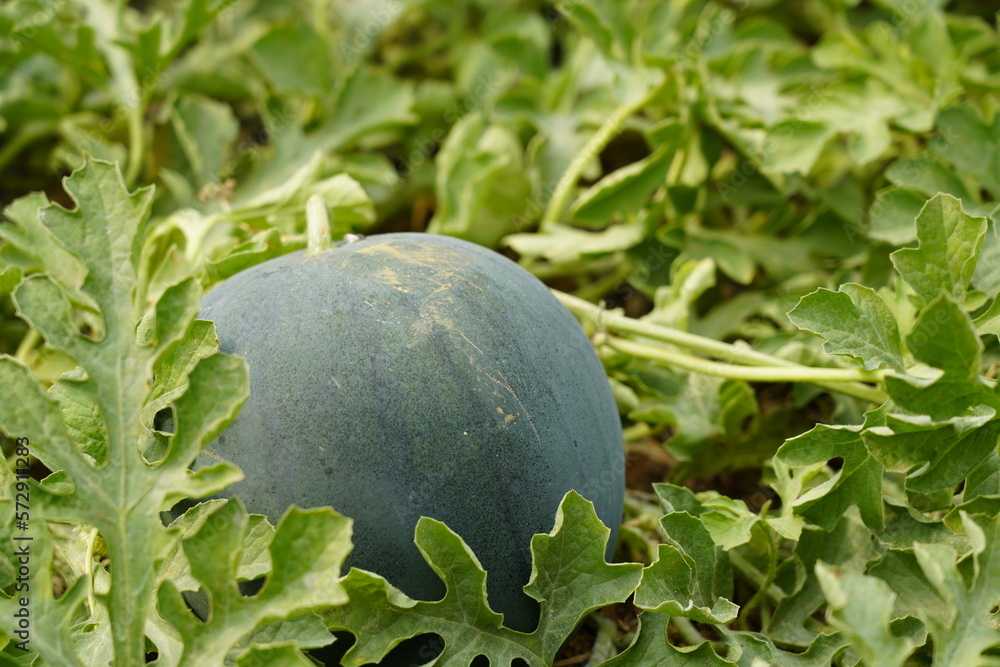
605, 133
317, 226
740, 372
27, 344
743, 362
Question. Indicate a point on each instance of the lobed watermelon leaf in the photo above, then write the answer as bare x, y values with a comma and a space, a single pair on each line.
306, 554
855, 321
569, 579
94, 430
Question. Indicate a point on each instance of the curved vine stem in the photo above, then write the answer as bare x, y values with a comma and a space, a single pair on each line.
136, 143
611, 127
31, 339
25, 137
739, 362
106, 21
764, 586
690, 362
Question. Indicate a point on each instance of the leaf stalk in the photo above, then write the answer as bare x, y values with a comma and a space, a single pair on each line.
597, 142
740, 362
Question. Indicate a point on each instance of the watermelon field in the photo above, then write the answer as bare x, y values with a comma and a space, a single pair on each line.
406, 332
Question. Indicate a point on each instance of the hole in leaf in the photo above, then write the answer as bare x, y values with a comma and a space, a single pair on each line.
628, 147
252, 587
332, 654
414, 651
556, 50
580, 643
90, 324
163, 421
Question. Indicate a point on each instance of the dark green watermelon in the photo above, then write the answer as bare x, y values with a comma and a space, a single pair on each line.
408, 374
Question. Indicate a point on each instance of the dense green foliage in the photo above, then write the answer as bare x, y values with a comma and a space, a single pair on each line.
789, 211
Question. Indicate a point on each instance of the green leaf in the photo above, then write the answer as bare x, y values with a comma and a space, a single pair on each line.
524, 39
848, 545
32, 237
892, 216
569, 579
199, 420
970, 588
858, 482
368, 102
926, 176
757, 647
984, 480
173, 368
10, 276
205, 131
944, 338
154, 45
971, 145
855, 321
349, 205
862, 607
275, 656
121, 499
793, 146
987, 275
881, 55
258, 248
564, 244
940, 456
623, 192
651, 647
254, 556
307, 552
950, 241
691, 576
606, 22
84, 422
49, 619
66, 38
788, 486
707, 410
295, 59
988, 322
915, 596
670, 586
295, 165
729, 521
481, 186
987, 506
673, 303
